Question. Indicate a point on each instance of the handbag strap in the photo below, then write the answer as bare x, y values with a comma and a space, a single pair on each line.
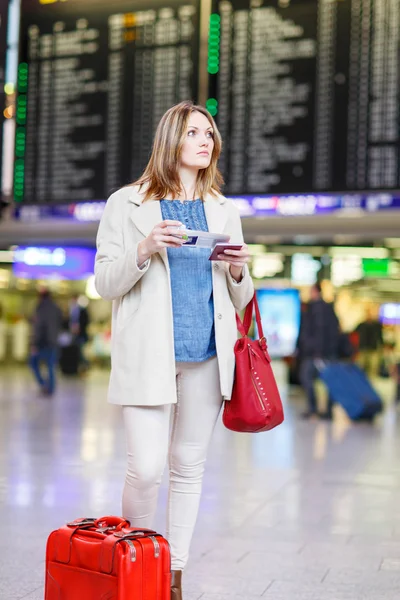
244, 327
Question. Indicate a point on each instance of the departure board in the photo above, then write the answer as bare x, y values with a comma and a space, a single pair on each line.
308, 94
3, 52
94, 79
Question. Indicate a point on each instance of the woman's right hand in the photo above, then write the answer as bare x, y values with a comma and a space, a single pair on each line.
161, 237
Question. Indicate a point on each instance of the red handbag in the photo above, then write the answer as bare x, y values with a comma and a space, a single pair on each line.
255, 404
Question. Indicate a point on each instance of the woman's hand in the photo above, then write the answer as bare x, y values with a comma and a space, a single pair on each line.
162, 236
237, 259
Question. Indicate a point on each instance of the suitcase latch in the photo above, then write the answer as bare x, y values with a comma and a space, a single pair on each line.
156, 546
132, 550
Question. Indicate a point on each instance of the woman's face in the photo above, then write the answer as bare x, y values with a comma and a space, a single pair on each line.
199, 142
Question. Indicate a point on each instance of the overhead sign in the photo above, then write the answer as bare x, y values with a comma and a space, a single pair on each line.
302, 205
376, 267
249, 206
39, 262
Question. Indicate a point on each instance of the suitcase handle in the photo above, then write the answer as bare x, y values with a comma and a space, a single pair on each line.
118, 525
111, 523
108, 521
102, 525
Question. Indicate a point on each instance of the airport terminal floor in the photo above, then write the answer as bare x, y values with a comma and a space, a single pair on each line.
309, 511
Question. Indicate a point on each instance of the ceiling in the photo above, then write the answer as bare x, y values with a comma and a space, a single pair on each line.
338, 228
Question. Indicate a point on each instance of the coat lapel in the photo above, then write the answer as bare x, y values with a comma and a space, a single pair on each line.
145, 216
216, 214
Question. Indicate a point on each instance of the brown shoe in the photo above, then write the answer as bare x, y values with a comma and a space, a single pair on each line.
176, 585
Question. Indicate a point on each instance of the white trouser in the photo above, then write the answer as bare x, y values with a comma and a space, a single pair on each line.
151, 440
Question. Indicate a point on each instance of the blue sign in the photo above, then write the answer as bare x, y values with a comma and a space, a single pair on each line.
311, 204
249, 206
53, 262
83, 212
280, 317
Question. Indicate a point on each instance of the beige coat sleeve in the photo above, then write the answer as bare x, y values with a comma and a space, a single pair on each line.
241, 293
116, 270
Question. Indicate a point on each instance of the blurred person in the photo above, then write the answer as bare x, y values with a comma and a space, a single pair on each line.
78, 324
296, 358
370, 344
3, 335
47, 323
318, 339
174, 327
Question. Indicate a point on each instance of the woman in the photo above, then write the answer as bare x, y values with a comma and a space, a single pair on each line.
173, 317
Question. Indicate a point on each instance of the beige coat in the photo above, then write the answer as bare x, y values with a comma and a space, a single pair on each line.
142, 354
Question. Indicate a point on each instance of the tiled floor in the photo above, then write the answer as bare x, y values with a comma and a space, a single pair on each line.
309, 511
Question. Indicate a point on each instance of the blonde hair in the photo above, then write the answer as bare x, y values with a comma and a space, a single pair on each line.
161, 176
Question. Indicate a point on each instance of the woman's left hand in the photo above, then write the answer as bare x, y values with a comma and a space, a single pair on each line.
237, 259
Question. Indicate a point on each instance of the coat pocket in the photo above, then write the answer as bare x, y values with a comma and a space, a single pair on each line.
128, 306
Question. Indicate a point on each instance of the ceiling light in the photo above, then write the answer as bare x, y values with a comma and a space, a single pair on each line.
359, 251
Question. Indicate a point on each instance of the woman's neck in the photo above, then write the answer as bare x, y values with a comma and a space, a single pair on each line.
188, 179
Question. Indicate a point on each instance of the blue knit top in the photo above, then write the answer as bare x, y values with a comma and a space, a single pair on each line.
191, 286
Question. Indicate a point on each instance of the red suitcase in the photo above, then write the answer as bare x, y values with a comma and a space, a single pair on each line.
106, 559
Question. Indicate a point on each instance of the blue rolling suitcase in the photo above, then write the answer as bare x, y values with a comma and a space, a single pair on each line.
349, 387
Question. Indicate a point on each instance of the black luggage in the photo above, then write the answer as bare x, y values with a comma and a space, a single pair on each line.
69, 359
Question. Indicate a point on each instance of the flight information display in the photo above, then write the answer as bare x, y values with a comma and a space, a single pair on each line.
307, 94
94, 79
3, 52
